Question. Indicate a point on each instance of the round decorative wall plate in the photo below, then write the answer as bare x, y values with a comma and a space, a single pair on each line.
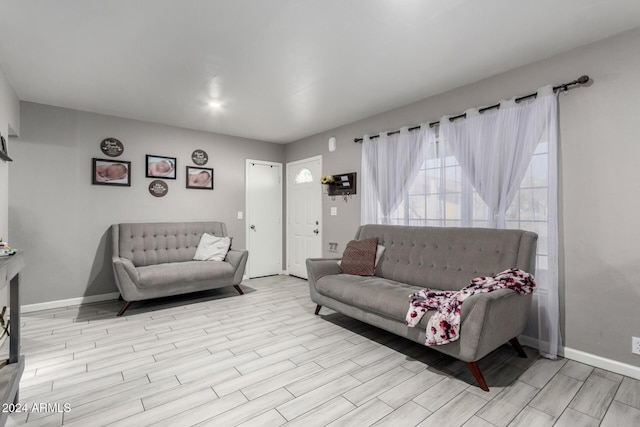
200, 157
158, 188
111, 147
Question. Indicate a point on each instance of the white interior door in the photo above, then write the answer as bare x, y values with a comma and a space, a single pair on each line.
304, 214
264, 218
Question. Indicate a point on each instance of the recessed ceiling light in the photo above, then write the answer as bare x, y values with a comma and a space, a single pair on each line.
215, 104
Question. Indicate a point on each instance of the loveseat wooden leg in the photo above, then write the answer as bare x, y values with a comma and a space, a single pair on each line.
475, 370
124, 308
516, 344
239, 289
318, 307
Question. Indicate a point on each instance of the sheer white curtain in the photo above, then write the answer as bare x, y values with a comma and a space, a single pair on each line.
390, 164
494, 151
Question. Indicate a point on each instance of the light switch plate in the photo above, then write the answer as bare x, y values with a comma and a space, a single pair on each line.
240, 215
334, 210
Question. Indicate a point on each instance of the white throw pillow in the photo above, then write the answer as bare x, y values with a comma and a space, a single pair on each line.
212, 248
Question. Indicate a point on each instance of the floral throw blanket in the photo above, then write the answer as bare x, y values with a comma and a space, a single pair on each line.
444, 325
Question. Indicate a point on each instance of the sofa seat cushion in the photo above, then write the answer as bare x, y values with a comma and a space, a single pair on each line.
384, 297
187, 271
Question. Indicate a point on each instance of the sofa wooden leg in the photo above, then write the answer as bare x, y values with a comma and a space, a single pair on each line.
475, 370
239, 289
318, 307
124, 308
516, 344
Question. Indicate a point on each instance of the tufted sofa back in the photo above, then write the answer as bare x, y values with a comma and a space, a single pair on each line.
161, 242
447, 258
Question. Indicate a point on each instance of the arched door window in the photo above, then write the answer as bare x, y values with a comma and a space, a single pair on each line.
303, 177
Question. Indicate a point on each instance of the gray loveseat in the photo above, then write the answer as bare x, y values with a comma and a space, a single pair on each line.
437, 258
152, 260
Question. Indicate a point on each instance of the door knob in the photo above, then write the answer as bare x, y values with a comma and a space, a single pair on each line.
253, 227
316, 231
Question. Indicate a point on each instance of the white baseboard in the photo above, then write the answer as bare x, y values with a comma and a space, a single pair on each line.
67, 302
589, 359
603, 363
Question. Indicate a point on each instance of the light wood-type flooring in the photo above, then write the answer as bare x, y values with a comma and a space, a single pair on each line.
263, 359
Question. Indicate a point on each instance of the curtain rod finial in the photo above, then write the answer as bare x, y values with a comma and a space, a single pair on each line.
582, 79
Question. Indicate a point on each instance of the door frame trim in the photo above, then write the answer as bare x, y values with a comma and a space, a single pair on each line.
247, 212
288, 231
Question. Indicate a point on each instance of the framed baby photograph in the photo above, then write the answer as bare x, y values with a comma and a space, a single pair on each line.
161, 167
200, 178
111, 172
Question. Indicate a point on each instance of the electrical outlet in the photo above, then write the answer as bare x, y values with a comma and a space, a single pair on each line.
635, 345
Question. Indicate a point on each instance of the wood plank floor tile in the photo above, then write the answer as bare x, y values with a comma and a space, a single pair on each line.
270, 418
199, 401
402, 393
235, 384
476, 421
378, 385
305, 385
440, 394
572, 418
620, 414
108, 416
324, 414
556, 395
455, 412
184, 390
576, 370
409, 414
208, 366
366, 415
531, 417
281, 380
595, 396
106, 403
629, 392
320, 395
539, 374
248, 410
501, 410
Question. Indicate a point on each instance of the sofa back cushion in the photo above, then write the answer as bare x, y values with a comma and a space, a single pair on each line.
447, 258
161, 242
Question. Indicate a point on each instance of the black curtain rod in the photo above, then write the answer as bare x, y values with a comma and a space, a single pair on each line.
563, 87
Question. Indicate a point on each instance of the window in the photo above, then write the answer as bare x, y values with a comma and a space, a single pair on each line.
441, 196
303, 177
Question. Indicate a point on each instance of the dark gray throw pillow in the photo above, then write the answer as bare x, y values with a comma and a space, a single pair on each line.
359, 257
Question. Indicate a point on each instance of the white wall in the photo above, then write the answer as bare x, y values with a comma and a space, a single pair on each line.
600, 188
61, 220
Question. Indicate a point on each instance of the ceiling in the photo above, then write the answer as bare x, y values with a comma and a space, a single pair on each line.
281, 70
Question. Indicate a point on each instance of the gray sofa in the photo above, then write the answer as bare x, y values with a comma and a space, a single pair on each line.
152, 260
437, 258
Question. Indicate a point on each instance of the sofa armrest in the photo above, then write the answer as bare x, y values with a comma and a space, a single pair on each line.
318, 268
238, 259
126, 275
491, 319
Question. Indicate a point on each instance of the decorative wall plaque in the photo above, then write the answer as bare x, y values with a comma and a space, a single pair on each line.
111, 147
158, 188
200, 157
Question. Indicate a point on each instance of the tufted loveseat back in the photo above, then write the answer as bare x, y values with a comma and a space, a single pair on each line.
161, 242
447, 258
